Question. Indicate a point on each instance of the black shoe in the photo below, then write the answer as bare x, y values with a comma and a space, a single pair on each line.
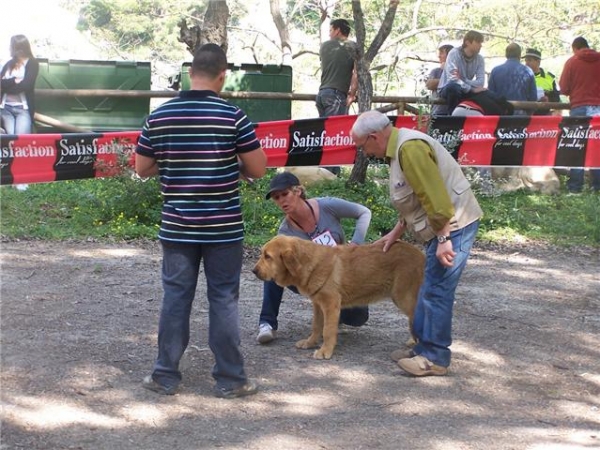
250, 388
151, 385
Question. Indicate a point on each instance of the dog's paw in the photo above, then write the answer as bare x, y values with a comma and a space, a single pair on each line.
305, 343
322, 354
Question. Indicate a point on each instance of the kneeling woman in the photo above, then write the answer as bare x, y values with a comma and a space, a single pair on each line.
317, 219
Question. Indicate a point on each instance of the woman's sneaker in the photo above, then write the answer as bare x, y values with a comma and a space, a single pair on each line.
266, 333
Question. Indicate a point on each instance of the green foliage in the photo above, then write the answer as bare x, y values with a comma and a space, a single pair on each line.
126, 208
560, 219
141, 29
118, 207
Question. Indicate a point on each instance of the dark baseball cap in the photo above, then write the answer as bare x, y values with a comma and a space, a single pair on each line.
533, 53
281, 182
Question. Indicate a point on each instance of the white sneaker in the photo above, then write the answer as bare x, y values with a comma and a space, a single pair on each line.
266, 333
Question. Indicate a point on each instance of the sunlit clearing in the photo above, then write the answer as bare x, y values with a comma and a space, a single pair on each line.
115, 252
574, 440
143, 414
44, 414
477, 354
280, 441
592, 378
308, 404
522, 258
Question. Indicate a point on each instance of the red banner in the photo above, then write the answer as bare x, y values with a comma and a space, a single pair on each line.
548, 141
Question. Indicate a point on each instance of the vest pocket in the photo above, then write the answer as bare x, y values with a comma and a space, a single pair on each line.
423, 228
461, 186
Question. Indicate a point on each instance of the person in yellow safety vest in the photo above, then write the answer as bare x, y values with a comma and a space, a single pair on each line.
545, 81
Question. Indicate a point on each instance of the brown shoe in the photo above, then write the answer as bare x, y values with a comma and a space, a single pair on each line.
419, 366
402, 353
250, 388
149, 383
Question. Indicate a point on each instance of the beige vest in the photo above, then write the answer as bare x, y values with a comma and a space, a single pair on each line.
404, 199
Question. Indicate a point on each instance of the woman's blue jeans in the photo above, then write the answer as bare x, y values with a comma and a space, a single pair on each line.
273, 294
15, 120
222, 265
433, 316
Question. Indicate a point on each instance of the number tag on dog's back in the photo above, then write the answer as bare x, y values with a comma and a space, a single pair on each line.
325, 238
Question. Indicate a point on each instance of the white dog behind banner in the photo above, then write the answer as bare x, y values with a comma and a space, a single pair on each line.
537, 179
310, 174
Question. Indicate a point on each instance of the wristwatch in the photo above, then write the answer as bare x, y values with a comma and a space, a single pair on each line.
442, 239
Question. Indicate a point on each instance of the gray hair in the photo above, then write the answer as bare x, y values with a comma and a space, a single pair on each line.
370, 122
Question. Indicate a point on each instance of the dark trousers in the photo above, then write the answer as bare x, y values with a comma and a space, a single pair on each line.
180, 270
453, 94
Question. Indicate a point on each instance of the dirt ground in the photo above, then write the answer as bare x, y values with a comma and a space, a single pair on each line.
79, 324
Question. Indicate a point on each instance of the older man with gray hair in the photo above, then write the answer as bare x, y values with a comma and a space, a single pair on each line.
435, 202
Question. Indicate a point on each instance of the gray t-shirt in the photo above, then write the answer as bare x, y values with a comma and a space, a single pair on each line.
331, 211
337, 64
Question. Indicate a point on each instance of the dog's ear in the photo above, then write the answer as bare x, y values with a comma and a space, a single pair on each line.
290, 260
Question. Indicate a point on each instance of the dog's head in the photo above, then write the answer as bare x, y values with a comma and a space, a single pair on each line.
279, 261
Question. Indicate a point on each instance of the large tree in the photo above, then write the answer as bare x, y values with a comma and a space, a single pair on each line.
213, 29
364, 58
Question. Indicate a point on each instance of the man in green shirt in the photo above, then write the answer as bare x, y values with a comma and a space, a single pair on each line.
435, 202
339, 82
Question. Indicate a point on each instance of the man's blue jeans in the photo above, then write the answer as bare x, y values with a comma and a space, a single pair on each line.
576, 176
331, 102
222, 265
432, 323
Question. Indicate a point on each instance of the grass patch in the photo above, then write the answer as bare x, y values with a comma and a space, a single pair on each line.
123, 208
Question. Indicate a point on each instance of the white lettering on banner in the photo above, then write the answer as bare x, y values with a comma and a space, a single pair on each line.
26, 151
449, 139
82, 148
269, 142
475, 136
525, 134
452, 137
576, 138
580, 133
340, 139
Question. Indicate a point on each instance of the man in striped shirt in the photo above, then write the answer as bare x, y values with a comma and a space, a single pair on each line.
200, 146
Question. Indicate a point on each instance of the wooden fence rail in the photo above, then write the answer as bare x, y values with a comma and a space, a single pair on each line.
397, 101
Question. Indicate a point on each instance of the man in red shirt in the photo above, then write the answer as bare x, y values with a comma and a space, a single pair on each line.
580, 81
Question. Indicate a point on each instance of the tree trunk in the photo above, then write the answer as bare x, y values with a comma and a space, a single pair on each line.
284, 34
363, 64
213, 29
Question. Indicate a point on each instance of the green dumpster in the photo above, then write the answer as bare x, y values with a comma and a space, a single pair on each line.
255, 78
94, 113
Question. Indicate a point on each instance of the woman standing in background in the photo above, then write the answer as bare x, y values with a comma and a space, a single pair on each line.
17, 105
